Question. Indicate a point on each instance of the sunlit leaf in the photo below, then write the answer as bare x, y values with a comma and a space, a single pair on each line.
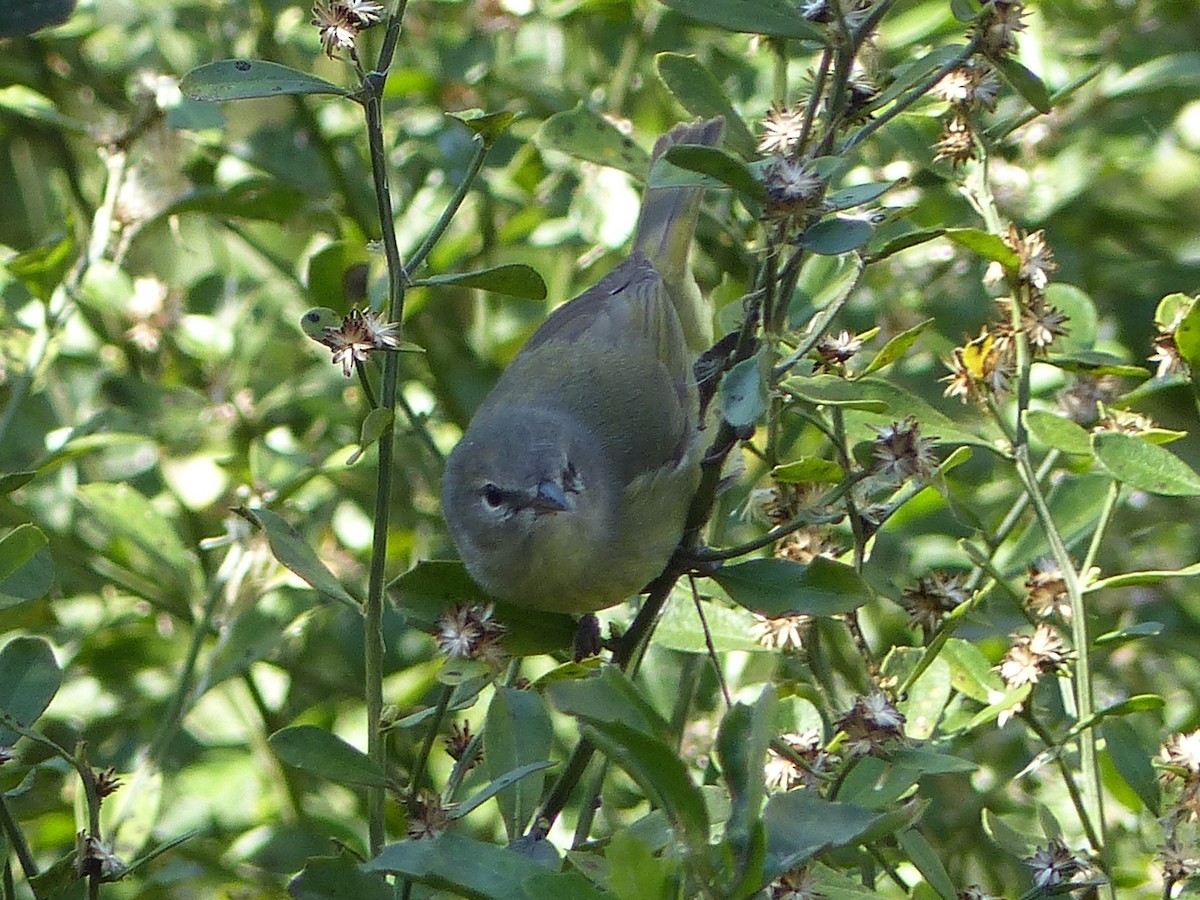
242, 79
1138, 463
319, 752
515, 280
780, 587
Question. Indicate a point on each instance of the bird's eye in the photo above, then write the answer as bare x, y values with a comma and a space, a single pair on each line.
493, 497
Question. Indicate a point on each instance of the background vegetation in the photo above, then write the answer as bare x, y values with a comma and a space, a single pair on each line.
193, 562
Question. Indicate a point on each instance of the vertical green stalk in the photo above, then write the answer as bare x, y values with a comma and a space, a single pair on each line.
373, 647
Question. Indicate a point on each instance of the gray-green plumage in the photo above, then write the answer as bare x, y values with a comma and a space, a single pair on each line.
569, 489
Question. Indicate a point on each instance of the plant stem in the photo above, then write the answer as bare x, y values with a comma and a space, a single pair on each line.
16, 838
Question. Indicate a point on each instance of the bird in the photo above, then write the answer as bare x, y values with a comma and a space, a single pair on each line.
569, 489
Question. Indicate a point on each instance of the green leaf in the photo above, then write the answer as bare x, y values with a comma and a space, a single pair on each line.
1024, 82
27, 16
1016, 842
680, 628
513, 280
14, 481
479, 870
800, 825
242, 79
1058, 432
29, 679
608, 697
319, 752
1095, 362
824, 282
922, 855
338, 878
18, 547
780, 587
741, 747
1173, 70
829, 390
1130, 633
1145, 466
857, 195
699, 92
517, 733
907, 240
489, 126
434, 587
1152, 576
659, 772
30, 581
971, 672
770, 17
374, 426
503, 782
635, 872
743, 393
294, 552
809, 470
719, 165
42, 268
984, 244
832, 237
1187, 338
895, 348
1171, 309
586, 135
1132, 762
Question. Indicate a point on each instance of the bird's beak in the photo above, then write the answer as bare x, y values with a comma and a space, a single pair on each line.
549, 498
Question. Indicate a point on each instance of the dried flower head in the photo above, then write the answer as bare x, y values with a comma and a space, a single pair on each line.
1166, 356
1180, 861
1047, 591
1084, 400
1043, 324
1036, 259
782, 127
469, 632
1125, 421
94, 857
934, 596
107, 782
1031, 655
872, 722
364, 12
428, 818
459, 740
971, 85
901, 452
805, 544
1182, 751
792, 190
862, 91
956, 144
998, 27
360, 334
798, 884
834, 351
1054, 864
337, 29
781, 632
782, 773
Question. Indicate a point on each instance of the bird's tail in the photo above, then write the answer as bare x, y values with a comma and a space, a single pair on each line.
665, 228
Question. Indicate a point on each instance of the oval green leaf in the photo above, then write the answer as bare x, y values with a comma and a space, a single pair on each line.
293, 552
513, 280
1058, 432
831, 237
318, 752
780, 587
809, 470
1145, 466
586, 135
29, 679
744, 393
716, 163
770, 17
243, 79
699, 92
